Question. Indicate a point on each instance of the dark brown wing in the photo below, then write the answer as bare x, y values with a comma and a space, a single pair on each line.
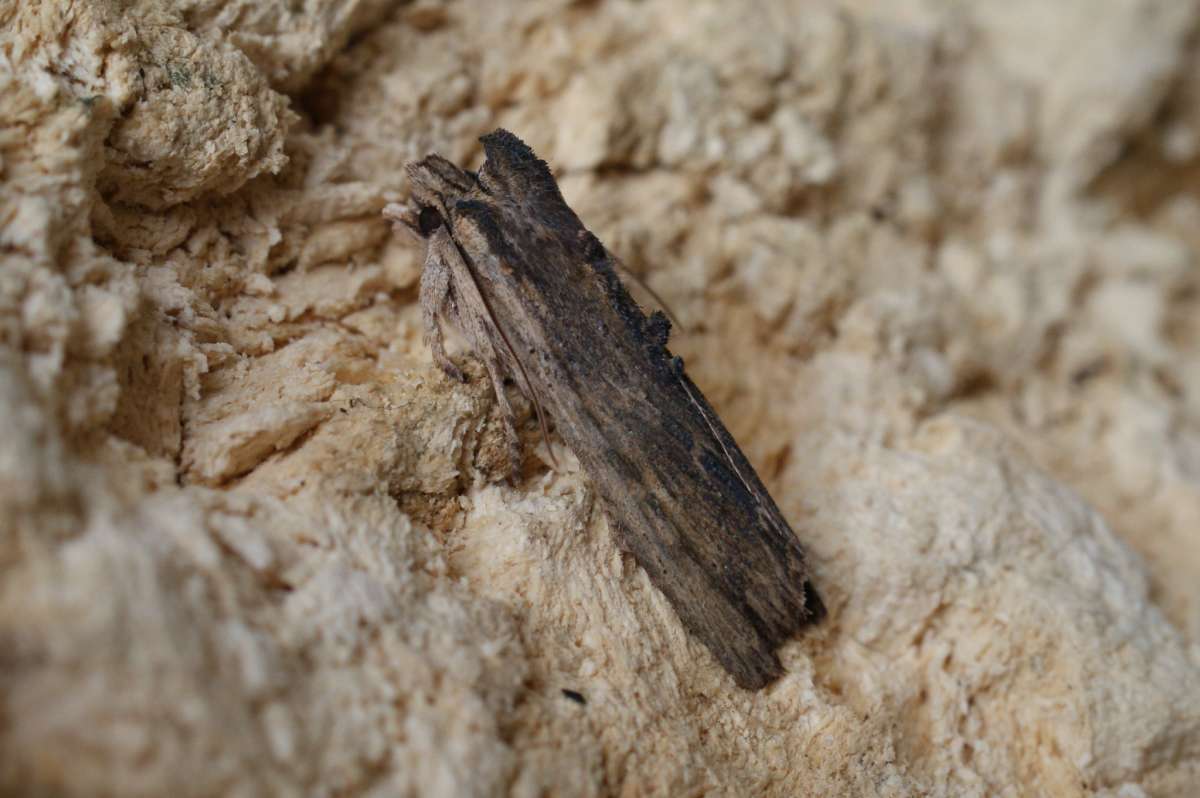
683, 497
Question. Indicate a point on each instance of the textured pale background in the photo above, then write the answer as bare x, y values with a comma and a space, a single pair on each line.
937, 261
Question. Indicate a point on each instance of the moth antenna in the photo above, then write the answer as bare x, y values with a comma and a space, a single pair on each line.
653, 294
533, 397
678, 363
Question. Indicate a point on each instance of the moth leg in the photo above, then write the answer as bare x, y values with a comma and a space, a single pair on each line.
435, 296
509, 418
463, 302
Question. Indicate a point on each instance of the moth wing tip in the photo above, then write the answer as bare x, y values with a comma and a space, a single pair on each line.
757, 673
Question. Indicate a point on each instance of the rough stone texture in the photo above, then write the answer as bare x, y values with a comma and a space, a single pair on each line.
938, 265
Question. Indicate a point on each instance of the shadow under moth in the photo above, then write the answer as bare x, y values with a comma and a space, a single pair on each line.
538, 299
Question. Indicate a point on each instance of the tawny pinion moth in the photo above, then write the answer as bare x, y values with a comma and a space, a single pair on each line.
538, 299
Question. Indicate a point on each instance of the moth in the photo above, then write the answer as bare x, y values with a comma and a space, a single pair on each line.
539, 301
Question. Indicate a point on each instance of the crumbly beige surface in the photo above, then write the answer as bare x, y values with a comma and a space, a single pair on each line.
938, 268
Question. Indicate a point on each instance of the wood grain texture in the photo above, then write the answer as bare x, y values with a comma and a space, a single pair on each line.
538, 298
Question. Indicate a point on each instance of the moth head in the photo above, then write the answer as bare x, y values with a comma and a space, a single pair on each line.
421, 220
435, 184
